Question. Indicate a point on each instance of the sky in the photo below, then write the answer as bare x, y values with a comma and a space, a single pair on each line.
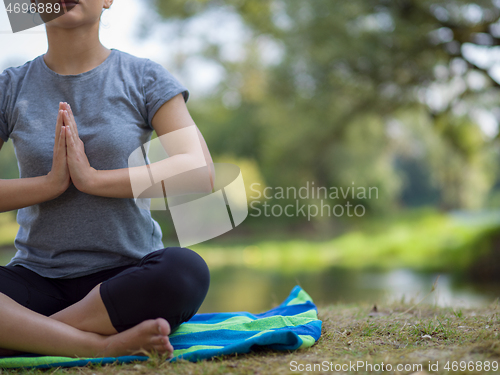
120, 26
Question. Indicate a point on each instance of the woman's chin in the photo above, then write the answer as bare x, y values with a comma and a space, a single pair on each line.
67, 21
70, 18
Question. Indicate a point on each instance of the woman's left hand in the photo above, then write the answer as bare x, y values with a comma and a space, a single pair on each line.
82, 174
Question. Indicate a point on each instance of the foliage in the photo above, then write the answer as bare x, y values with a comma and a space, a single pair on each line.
8, 161
425, 242
330, 91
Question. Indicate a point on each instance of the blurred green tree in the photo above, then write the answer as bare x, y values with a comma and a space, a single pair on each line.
337, 92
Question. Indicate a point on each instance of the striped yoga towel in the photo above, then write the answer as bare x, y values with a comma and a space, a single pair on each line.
292, 325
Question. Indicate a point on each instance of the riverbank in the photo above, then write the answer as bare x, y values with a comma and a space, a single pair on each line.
421, 241
358, 338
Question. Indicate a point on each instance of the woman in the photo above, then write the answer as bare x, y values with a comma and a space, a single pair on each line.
88, 278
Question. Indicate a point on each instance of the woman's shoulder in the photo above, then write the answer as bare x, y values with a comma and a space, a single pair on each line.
140, 64
12, 78
17, 71
132, 60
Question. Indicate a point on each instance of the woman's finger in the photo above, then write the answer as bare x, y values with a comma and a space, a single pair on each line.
72, 119
70, 139
70, 126
62, 140
70, 111
60, 150
59, 124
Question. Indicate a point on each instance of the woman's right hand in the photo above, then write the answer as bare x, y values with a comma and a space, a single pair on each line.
59, 178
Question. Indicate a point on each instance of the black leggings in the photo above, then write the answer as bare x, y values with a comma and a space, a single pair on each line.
170, 283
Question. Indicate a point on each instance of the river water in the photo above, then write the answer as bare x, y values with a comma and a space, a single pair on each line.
250, 290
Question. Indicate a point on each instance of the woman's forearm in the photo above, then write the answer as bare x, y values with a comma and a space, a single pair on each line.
181, 174
188, 169
23, 192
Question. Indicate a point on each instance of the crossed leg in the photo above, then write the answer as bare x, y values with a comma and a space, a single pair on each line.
88, 314
27, 331
174, 281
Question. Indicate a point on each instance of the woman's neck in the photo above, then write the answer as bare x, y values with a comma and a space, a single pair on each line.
74, 51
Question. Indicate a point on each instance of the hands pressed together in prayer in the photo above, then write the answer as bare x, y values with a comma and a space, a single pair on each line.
187, 152
70, 163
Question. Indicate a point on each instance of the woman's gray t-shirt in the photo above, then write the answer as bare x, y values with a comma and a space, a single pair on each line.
78, 234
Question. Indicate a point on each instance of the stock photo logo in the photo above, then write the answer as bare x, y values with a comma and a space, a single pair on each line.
205, 200
25, 14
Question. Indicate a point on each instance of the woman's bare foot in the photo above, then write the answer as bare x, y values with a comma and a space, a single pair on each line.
150, 335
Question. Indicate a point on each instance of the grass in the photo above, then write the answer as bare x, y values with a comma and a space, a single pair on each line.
397, 334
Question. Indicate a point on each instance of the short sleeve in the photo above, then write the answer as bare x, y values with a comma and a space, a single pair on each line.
4, 101
159, 86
